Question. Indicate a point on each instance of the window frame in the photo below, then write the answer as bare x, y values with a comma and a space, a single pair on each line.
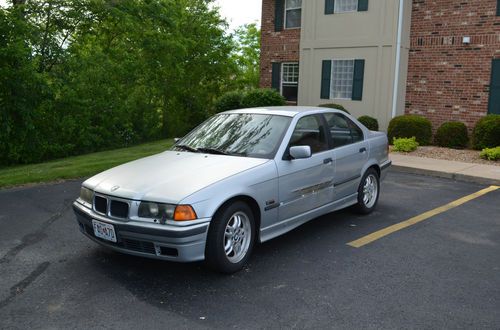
282, 75
285, 27
332, 80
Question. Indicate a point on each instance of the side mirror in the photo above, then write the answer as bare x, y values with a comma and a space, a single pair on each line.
177, 140
300, 152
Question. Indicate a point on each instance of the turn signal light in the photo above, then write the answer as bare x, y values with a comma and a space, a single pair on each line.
184, 213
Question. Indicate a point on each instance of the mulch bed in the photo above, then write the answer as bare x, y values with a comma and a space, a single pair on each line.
465, 155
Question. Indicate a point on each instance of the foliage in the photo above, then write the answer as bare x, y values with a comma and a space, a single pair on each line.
491, 153
452, 135
410, 126
81, 76
334, 106
246, 55
78, 166
370, 122
262, 97
405, 144
229, 101
486, 134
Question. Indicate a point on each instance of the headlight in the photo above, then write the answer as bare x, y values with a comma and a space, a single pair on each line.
166, 211
156, 210
86, 195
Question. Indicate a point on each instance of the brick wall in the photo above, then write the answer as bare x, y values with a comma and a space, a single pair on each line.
448, 80
280, 46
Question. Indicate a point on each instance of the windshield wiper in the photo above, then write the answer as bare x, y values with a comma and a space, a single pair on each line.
186, 147
212, 151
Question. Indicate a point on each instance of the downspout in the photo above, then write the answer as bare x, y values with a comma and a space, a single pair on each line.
398, 60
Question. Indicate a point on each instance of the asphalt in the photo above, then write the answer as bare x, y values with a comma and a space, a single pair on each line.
440, 273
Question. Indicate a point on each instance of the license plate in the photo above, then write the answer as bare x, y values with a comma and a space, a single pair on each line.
104, 231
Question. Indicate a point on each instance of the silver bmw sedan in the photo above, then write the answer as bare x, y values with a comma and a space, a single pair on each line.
239, 178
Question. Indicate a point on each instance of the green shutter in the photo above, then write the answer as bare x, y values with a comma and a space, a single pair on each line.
276, 76
357, 82
329, 7
326, 76
494, 102
279, 15
498, 7
362, 5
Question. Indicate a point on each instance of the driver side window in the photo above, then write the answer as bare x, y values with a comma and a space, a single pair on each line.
310, 132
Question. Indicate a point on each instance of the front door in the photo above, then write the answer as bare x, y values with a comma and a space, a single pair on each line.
306, 184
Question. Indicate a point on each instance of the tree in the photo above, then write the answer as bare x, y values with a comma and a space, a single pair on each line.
247, 56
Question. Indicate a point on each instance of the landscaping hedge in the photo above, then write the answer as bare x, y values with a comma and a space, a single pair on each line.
262, 97
334, 106
408, 126
486, 134
452, 135
370, 122
229, 101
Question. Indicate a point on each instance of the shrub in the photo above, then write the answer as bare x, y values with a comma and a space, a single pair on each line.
262, 97
491, 153
405, 144
452, 135
334, 106
370, 122
229, 101
411, 126
486, 134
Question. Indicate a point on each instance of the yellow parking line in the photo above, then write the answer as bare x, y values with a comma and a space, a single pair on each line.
419, 218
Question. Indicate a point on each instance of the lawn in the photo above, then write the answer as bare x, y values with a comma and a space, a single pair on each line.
77, 166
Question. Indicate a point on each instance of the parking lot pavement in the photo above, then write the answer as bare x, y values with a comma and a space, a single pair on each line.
439, 273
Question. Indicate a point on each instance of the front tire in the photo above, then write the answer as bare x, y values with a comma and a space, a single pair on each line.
230, 238
368, 192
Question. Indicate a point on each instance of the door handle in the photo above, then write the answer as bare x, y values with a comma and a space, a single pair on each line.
327, 161
362, 150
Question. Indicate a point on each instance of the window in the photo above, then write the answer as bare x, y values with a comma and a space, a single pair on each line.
345, 6
293, 13
310, 132
290, 81
342, 77
343, 131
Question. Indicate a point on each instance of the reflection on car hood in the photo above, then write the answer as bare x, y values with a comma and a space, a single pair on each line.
170, 176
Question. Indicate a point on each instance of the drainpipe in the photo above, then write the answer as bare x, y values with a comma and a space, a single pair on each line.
398, 59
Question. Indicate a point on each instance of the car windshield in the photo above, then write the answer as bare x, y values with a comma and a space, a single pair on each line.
245, 134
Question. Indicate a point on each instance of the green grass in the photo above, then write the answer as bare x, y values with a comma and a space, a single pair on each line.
78, 166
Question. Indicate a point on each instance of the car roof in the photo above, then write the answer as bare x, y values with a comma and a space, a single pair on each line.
289, 111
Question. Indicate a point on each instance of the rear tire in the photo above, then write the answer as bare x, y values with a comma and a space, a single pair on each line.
368, 192
230, 238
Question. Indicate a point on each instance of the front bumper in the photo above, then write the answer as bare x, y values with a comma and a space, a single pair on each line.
166, 242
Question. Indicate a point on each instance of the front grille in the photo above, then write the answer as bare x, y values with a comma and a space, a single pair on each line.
118, 209
100, 204
139, 246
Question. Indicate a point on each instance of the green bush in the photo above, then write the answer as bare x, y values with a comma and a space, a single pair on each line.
491, 153
229, 101
405, 144
334, 106
486, 134
370, 122
452, 135
411, 126
262, 97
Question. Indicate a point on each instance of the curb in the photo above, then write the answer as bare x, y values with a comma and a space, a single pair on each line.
446, 175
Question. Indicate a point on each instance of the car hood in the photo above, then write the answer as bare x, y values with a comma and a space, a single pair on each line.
170, 176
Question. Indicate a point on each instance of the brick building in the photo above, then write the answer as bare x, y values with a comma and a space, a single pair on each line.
439, 59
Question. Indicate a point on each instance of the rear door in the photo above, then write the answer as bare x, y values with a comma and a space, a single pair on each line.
306, 184
350, 151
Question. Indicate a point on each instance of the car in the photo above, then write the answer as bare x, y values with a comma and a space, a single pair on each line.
241, 177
